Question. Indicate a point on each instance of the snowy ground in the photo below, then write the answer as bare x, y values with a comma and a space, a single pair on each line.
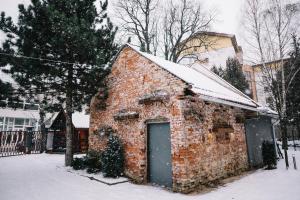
43, 177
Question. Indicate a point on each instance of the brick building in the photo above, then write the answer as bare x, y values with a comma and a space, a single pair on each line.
180, 127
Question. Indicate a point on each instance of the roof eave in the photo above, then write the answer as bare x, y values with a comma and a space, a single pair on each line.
227, 102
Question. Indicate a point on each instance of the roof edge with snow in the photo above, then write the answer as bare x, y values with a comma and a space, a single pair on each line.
221, 92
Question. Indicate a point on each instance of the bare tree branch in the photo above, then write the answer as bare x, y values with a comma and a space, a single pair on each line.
139, 19
181, 21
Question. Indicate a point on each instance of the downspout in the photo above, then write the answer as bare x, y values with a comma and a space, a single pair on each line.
274, 138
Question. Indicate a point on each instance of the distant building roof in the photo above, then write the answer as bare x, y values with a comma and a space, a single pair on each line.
210, 33
271, 62
79, 119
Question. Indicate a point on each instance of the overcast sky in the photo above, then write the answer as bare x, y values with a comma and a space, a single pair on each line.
229, 13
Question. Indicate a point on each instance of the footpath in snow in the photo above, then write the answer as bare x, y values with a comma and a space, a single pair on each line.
43, 177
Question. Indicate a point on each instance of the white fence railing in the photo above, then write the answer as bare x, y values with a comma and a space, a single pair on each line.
20, 142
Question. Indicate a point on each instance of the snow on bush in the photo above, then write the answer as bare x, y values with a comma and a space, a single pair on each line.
112, 158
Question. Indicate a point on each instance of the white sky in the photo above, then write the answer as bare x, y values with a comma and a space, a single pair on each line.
229, 14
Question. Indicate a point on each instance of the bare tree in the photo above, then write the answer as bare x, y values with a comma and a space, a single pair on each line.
140, 19
270, 25
182, 20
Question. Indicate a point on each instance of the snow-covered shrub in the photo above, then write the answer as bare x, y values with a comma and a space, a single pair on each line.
113, 158
269, 155
79, 163
93, 161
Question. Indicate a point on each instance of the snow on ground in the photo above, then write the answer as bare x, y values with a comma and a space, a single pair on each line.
99, 176
43, 177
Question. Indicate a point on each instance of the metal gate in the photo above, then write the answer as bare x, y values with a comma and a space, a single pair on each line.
159, 154
257, 130
20, 142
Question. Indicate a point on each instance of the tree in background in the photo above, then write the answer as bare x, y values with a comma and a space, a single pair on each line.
269, 27
233, 74
62, 50
182, 20
163, 26
218, 70
139, 18
292, 68
6, 92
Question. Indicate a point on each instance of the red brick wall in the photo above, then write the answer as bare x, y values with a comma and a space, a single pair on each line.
196, 156
132, 77
210, 157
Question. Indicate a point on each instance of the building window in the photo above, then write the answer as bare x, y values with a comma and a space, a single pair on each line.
31, 107
9, 124
16, 124
19, 124
20, 105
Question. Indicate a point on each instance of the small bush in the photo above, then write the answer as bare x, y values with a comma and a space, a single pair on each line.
269, 155
93, 161
113, 158
79, 163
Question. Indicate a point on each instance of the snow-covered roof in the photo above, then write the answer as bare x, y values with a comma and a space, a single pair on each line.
205, 83
264, 110
81, 120
19, 113
49, 118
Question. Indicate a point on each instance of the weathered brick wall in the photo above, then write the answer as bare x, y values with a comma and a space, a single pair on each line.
132, 77
212, 154
196, 155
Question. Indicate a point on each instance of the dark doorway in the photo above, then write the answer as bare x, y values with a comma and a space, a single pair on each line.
257, 130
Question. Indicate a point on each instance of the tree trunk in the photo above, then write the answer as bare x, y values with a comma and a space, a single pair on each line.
69, 132
43, 129
298, 131
284, 121
284, 142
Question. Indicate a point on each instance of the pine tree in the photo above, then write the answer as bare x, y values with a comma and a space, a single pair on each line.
218, 70
6, 92
113, 158
73, 44
233, 74
292, 70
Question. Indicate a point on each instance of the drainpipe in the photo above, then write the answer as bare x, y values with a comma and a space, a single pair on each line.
274, 138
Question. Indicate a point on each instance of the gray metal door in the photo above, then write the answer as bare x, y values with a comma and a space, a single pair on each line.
159, 154
257, 130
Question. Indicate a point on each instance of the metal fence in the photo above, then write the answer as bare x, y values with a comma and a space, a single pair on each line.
20, 142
